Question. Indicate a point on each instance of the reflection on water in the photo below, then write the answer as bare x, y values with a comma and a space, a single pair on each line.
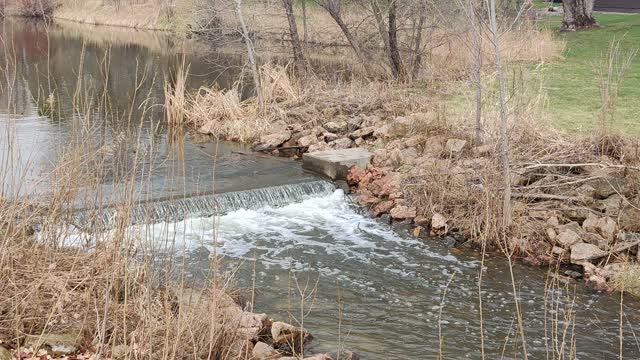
93, 100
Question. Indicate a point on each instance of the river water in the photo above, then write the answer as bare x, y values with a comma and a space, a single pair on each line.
368, 287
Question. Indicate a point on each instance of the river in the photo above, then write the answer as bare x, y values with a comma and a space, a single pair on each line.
369, 287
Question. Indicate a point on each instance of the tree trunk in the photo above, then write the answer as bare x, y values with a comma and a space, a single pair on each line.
394, 51
250, 52
304, 23
417, 45
578, 14
477, 68
298, 56
333, 8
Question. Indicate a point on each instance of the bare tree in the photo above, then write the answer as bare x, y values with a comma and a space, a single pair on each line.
250, 50
504, 126
477, 67
578, 14
298, 55
394, 52
417, 36
334, 8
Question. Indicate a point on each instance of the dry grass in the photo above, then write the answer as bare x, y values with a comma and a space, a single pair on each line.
628, 279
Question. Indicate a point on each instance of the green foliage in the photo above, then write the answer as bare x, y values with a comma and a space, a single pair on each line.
572, 85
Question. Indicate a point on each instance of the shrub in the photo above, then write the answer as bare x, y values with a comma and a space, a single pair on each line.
35, 8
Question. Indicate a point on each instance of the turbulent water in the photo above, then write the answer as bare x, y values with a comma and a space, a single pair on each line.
380, 291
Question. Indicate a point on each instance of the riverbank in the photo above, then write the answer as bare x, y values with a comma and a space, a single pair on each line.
575, 198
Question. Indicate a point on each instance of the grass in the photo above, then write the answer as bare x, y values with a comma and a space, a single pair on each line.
572, 85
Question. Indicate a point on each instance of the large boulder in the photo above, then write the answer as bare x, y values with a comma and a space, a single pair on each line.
605, 226
582, 252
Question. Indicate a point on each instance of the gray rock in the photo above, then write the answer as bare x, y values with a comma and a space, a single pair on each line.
630, 218
329, 136
363, 133
60, 344
455, 146
338, 126
567, 238
585, 252
343, 143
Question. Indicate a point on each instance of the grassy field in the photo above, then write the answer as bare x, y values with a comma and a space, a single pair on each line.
571, 83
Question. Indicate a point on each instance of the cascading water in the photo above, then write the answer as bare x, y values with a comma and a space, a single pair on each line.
201, 206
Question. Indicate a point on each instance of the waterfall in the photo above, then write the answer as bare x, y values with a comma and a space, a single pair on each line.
200, 206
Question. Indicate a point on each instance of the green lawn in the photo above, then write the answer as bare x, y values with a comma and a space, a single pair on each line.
571, 82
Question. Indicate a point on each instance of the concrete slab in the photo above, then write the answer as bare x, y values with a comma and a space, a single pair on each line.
335, 163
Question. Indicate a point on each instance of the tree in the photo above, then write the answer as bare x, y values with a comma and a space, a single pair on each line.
578, 14
298, 56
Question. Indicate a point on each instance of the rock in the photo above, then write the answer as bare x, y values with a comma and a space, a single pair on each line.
274, 140
417, 231
354, 123
336, 163
585, 252
120, 352
263, 351
330, 112
387, 185
5, 354
597, 240
368, 199
402, 212
455, 146
383, 131
483, 150
626, 241
439, 225
343, 143
611, 270
609, 185
552, 235
329, 137
612, 205
359, 141
343, 185
288, 338
433, 147
573, 226
355, 175
629, 219
559, 252
598, 282
339, 126
382, 208
321, 146
590, 224
308, 140
363, 133
295, 127
414, 141
567, 238
60, 344
607, 228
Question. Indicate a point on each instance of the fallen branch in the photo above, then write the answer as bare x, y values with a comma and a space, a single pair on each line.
537, 196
